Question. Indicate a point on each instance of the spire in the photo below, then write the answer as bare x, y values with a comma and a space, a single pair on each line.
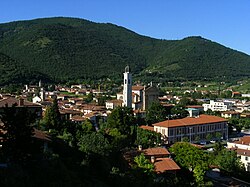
127, 69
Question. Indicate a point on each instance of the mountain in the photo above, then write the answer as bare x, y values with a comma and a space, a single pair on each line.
63, 49
13, 72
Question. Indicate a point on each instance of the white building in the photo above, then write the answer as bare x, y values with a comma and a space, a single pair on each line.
242, 147
217, 105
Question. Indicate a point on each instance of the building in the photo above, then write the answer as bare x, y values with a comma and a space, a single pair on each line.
20, 103
136, 97
230, 114
158, 156
127, 88
242, 148
193, 128
217, 106
112, 104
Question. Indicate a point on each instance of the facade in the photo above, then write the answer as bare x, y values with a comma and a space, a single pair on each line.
217, 106
195, 129
112, 104
242, 148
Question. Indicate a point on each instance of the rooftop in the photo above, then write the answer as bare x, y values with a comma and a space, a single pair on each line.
165, 164
156, 151
150, 128
245, 140
10, 101
189, 121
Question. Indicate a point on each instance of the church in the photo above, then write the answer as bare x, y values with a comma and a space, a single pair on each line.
137, 97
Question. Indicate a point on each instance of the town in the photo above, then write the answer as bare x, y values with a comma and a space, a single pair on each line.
145, 130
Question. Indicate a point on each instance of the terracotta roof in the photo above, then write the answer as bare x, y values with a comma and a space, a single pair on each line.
41, 135
245, 140
77, 118
69, 111
91, 114
165, 164
137, 88
156, 151
10, 101
243, 152
150, 128
188, 121
230, 112
115, 101
194, 106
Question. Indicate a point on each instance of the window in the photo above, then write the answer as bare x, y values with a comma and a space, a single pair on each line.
125, 81
246, 158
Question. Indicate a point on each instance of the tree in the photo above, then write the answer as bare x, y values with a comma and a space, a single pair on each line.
179, 111
144, 163
155, 113
228, 161
121, 118
94, 143
52, 117
18, 128
191, 158
147, 138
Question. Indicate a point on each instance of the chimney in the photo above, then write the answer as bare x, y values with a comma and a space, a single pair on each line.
21, 102
245, 153
140, 147
152, 159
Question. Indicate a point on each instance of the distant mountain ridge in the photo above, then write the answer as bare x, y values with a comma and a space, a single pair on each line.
63, 49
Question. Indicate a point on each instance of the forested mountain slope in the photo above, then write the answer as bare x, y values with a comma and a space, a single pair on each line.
65, 49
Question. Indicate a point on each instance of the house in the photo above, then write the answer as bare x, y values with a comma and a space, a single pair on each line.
112, 104
33, 108
242, 148
230, 114
158, 156
193, 128
218, 105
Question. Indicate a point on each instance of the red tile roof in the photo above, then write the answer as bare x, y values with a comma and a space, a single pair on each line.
194, 106
147, 127
230, 112
41, 135
10, 101
77, 118
137, 88
243, 152
188, 121
156, 151
245, 140
165, 164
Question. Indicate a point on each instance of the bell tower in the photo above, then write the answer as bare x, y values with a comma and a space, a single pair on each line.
127, 88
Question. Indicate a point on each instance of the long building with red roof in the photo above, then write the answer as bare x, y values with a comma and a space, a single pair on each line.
193, 128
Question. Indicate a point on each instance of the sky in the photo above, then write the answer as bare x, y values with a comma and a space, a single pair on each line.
224, 21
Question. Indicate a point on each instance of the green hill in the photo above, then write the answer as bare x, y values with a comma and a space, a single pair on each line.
13, 72
63, 49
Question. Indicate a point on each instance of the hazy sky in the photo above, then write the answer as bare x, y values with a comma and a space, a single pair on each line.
224, 21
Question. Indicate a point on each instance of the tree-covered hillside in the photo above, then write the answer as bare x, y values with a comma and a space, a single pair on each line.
68, 49
13, 72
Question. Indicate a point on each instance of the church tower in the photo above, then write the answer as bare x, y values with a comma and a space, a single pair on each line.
42, 94
127, 88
